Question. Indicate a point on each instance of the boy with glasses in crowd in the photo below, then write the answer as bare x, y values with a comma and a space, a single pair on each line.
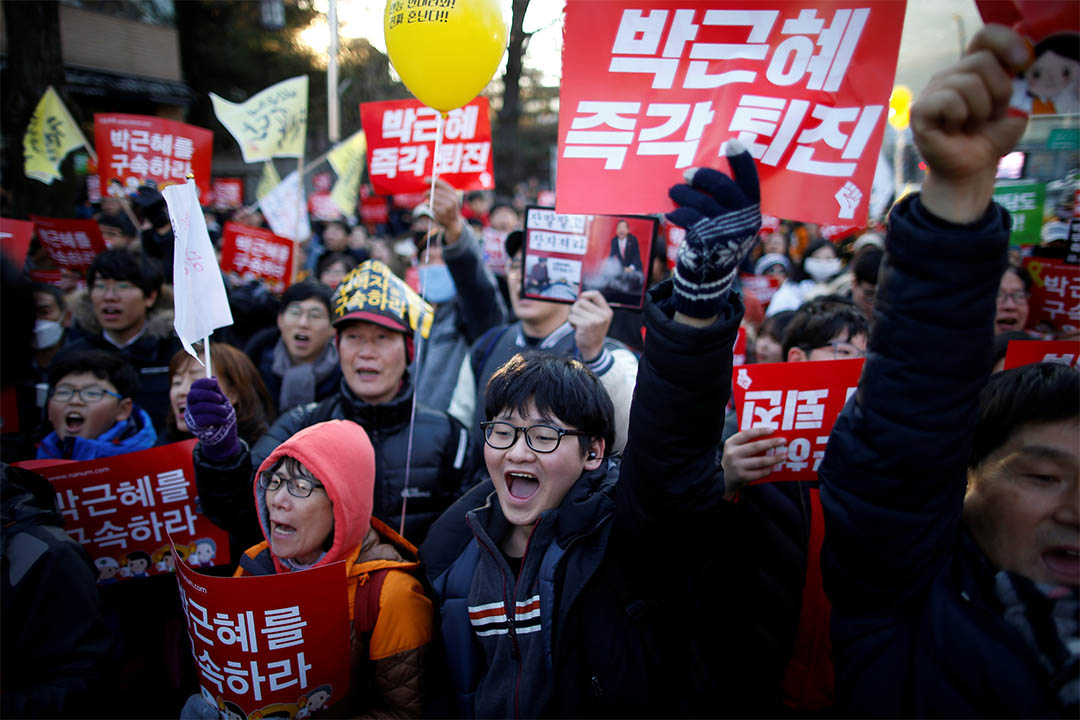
91, 409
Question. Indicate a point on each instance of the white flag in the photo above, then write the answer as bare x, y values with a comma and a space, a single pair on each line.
199, 298
285, 208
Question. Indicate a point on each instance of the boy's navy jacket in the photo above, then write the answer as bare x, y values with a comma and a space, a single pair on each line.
593, 626
917, 629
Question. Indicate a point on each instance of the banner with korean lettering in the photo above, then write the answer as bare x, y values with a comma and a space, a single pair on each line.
72, 244
15, 236
655, 88
269, 645
133, 148
122, 510
1027, 352
228, 192
271, 123
401, 144
1055, 293
801, 402
255, 253
1024, 201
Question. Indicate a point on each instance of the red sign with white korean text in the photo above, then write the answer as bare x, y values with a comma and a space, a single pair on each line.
122, 510
373, 211
801, 402
401, 145
72, 244
228, 192
256, 253
738, 351
269, 644
1028, 352
134, 148
1055, 293
15, 238
652, 89
762, 287
321, 206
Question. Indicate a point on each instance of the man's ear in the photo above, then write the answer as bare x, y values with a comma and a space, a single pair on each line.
797, 354
281, 323
151, 299
65, 319
127, 405
594, 456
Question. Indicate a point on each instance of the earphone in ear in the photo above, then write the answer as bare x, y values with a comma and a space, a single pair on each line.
592, 455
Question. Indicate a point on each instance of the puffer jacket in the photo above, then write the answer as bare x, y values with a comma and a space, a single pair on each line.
131, 435
387, 666
917, 628
439, 471
596, 624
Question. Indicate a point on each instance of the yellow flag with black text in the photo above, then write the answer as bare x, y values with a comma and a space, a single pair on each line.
347, 159
50, 136
271, 123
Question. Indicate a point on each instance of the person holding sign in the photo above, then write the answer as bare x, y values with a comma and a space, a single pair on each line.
546, 573
952, 557
374, 315
314, 497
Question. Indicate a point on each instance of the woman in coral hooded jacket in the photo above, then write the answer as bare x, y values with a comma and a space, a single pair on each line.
314, 498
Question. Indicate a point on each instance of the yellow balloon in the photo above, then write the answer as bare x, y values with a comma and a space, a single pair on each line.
445, 56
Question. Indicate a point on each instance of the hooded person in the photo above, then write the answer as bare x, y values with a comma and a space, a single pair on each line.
422, 455
334, 464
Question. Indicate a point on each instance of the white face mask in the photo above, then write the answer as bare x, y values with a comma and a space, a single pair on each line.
46, 334
822, 269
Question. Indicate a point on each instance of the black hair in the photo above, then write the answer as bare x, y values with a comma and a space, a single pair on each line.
775, 325
474, 195
800, 273
558, 387
820, 320
329, 259
1064, 44
1039, 393
1002, 340
305, 291
231, 707
133, 267
1022, 273
139, 555
56, 292
119, 221
866, 263
101, 364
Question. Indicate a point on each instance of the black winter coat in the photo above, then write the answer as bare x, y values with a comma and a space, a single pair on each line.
622, 641
261, 351
917, 629
439, 472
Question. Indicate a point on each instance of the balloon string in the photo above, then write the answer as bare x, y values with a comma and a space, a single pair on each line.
418, 338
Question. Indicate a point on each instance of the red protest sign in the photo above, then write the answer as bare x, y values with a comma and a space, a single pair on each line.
72, 244
373, 211
650, 90
738, 351
321, 206
763, 287
15, 236
1055, 293
802, 405
401, 145
133, 148
228, 192
269, 643
565, 254
122, 510
1028, 352
256, 253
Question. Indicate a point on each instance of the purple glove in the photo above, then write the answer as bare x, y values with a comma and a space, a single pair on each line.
211, 418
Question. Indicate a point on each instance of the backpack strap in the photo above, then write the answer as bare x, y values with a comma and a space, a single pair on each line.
366, 604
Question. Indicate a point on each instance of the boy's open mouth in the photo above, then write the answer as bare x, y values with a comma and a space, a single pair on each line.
73, 423
521, 486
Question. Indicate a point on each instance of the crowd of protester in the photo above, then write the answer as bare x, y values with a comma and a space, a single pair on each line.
527, 451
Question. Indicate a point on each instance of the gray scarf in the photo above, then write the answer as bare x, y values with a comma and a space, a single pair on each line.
298, 382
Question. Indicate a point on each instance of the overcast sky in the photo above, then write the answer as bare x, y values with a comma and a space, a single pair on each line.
930, 40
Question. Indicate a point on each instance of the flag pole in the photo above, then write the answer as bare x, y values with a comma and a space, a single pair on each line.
206, 352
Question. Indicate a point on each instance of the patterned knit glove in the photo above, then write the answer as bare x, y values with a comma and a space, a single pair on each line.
211, 418
722, 217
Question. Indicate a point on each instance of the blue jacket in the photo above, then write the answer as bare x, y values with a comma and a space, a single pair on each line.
917, 629
135, 433
600, 624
